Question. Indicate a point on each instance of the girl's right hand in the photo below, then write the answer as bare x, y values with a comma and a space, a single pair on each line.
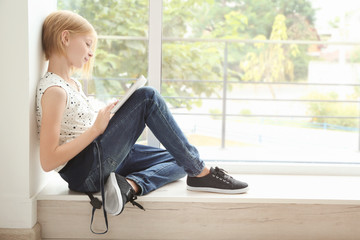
103, 118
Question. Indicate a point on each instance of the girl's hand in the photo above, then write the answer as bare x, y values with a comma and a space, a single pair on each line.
103, 118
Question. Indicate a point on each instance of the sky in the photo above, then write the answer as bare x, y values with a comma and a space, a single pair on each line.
330, 9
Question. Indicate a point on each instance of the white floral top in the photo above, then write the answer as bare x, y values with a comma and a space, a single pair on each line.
79, 115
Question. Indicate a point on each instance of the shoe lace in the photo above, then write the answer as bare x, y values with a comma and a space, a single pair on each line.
132, 199
221, 173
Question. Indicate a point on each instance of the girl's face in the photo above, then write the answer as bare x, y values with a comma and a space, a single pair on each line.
79, 49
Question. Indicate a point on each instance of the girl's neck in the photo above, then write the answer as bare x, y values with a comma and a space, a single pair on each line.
59, 66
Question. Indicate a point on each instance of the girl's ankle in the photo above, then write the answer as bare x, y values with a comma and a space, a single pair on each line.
204, 172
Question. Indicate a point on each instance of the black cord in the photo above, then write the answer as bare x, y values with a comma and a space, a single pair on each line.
95, 202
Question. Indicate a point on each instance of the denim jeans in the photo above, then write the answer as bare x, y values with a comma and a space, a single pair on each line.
149, 167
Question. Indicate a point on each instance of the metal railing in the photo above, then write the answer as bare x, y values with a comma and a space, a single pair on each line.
224, 98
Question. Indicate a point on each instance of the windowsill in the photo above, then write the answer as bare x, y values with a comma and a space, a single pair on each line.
295, 189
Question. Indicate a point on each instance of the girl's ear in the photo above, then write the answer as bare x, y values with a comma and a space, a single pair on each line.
65, 37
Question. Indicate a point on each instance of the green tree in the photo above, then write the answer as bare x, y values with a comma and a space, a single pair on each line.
247, 19
115, 59
271, 62
241, 19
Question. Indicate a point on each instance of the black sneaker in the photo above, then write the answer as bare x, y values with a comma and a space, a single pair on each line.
117, 193
217, 181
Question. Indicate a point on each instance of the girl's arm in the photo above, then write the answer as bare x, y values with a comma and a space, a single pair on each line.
53, 155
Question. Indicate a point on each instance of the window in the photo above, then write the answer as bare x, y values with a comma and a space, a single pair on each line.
256, 83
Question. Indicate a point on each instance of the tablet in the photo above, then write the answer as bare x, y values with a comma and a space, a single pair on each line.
140, 82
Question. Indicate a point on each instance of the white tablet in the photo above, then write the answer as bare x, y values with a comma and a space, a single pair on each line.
140, 82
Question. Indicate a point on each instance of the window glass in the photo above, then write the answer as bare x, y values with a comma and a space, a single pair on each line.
267, 80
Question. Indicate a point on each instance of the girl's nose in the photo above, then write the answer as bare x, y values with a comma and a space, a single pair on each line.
91, 53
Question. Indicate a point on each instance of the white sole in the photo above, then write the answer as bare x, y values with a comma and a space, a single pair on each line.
216, 190
111, 185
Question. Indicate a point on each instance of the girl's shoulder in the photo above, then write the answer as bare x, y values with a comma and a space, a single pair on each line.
51, 79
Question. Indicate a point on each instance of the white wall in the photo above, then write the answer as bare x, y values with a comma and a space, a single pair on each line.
21, 65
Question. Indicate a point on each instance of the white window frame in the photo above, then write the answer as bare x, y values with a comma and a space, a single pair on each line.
155, 57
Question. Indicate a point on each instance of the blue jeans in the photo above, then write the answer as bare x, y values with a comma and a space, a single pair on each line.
147, 166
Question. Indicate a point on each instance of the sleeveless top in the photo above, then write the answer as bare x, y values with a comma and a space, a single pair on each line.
78, 116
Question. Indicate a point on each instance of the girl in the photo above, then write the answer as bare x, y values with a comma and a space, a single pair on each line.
88, 148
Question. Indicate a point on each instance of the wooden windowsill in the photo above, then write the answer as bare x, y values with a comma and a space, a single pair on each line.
299, 189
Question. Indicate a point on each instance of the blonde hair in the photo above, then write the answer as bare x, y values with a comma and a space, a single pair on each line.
62, 20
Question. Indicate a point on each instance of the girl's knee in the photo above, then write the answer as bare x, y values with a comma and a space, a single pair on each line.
148, 89
147, 92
